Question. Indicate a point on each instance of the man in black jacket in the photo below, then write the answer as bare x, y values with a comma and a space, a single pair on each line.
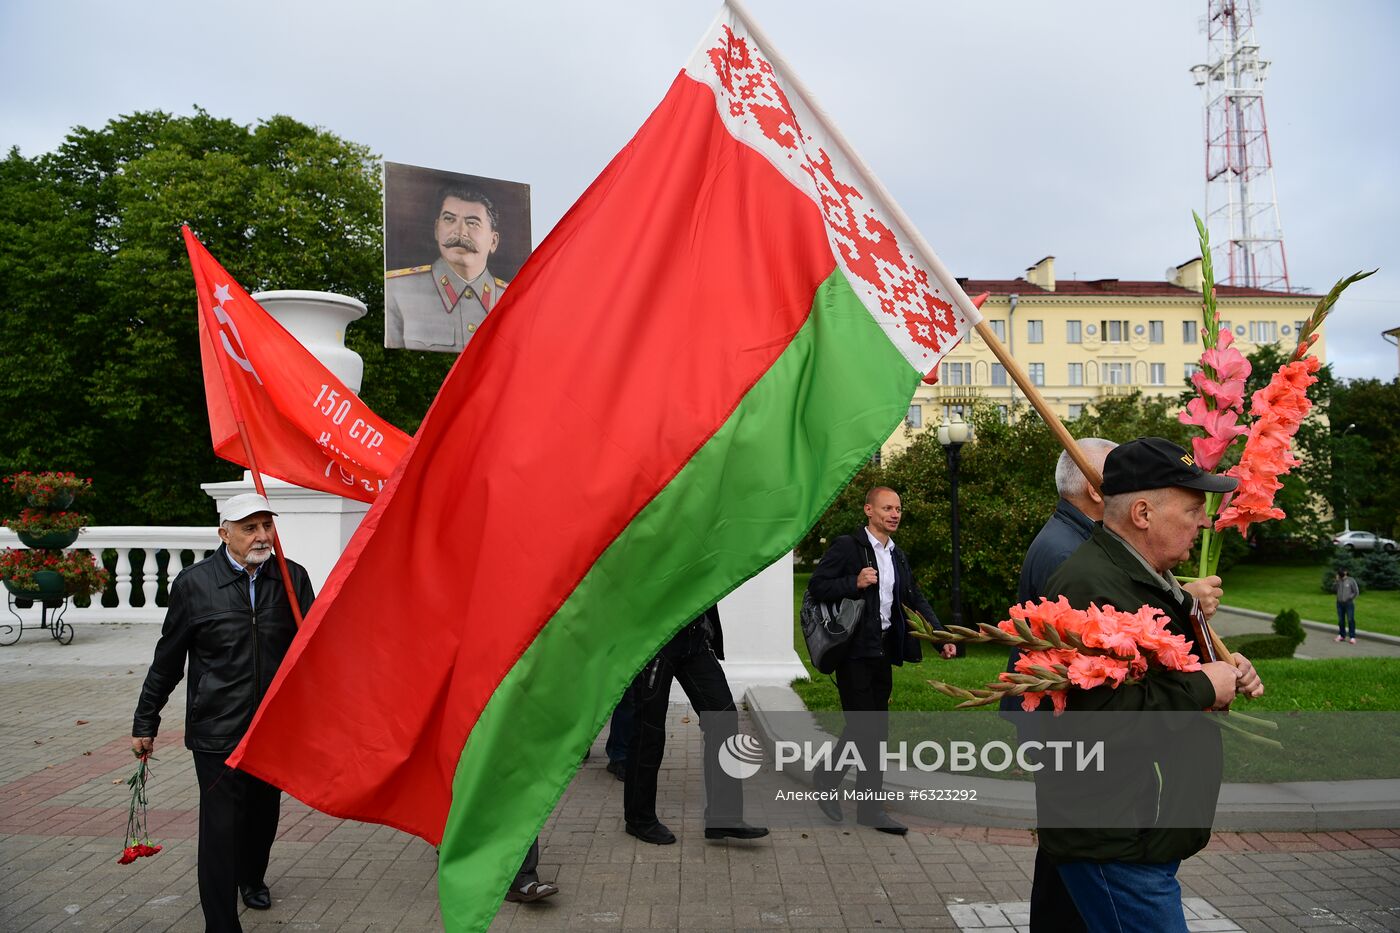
1124, 876
867, 565
229, 617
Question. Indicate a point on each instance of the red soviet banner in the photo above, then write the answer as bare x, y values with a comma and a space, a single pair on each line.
306, 427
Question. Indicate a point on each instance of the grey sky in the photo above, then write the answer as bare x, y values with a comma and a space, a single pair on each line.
1007, 130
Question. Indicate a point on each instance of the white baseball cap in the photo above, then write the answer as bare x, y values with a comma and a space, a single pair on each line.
241, 506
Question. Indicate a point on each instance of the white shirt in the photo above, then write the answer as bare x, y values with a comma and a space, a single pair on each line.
884, 565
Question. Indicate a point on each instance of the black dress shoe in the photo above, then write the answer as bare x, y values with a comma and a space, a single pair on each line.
831, 809
883, 822
256, 897
739, 830
618, 769
655, 833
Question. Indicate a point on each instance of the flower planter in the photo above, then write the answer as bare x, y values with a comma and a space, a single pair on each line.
53, 540
49, 588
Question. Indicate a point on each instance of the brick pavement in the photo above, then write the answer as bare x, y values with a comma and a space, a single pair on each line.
62, 806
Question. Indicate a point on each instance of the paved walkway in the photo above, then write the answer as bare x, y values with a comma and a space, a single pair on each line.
66, 716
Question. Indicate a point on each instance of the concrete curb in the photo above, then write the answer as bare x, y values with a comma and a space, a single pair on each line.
1319, 626
1304, 806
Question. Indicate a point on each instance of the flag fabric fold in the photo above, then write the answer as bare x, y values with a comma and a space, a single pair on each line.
603, 464
307, 427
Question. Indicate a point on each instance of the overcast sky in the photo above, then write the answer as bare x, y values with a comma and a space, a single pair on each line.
1008, 130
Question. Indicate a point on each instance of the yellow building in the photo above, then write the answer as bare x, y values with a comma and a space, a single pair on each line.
1082, 341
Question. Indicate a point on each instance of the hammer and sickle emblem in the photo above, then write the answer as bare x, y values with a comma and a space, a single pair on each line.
239, 356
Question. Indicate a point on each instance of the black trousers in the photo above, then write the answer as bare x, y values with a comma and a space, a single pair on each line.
689, 659
865, 685
529, 869
237, 823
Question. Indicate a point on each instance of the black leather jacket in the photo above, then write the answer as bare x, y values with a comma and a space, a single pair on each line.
233, 646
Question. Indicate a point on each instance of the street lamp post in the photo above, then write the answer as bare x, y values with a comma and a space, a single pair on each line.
1346, 500
952, 434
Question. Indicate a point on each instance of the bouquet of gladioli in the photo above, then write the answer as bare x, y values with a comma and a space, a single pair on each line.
1278, 409
1062, 647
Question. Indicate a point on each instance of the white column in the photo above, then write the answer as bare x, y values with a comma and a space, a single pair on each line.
757, 619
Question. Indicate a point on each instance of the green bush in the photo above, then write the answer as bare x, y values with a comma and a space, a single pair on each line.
1259, 645
1288, 624
1380, 571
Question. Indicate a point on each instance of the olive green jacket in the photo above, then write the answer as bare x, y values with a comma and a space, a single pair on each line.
1171, 778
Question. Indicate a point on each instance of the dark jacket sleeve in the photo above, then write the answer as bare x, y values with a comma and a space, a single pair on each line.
167, 668
835, 577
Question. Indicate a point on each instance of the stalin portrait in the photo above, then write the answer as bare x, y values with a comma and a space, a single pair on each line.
440, 306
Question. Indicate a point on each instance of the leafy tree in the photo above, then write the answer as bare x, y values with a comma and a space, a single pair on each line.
101, 369
1367, 458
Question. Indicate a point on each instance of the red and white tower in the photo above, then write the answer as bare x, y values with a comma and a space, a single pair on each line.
1241, 202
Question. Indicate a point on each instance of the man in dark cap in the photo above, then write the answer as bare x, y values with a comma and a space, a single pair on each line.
1124, 877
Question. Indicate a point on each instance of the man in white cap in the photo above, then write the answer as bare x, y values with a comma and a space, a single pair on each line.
230, 617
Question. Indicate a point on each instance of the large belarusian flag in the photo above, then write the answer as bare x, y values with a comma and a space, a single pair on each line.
709, 344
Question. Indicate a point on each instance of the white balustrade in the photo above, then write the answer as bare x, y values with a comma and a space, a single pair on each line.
132, 583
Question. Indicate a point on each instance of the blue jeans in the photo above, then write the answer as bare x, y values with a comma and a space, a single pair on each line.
1346, 619
1126, 897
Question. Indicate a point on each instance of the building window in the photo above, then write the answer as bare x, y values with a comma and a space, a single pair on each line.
875, 460
1035, 331
957, 374
1074, 332
1263, 331
915, 418
1298, 327
1227, 326
1188, 332
1115, 331
1076, 374
1037, 374
998, 374
1004, 412
1191, 370
1159, 374
1118, 374
950, 410
1156, 332
1075, 411
999, 328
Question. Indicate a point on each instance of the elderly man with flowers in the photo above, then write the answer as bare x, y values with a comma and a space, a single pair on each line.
1124, 878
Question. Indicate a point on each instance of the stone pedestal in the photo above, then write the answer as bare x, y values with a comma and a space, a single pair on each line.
758, 631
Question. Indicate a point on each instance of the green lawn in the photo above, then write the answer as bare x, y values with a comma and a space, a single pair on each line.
1291, 685
1272, 589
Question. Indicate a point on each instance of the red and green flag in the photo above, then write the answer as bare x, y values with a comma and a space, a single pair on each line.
707, 346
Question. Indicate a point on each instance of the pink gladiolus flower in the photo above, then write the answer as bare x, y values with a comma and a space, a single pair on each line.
1227, 394
1228, 363
1221, 427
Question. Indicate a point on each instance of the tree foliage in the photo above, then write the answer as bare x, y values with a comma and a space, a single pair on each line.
1366, 481
101, 369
